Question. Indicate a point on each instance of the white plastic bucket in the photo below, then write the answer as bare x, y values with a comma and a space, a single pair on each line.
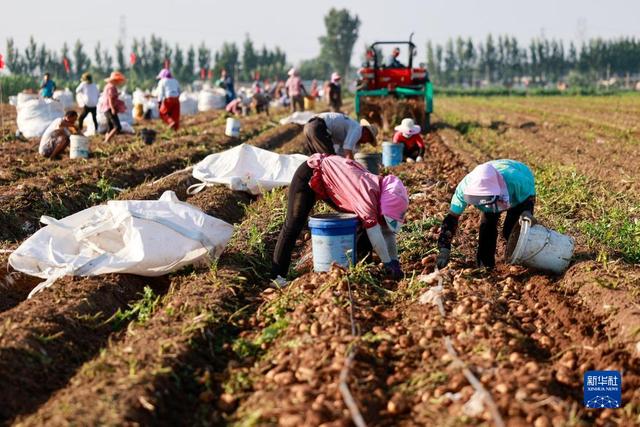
542, 249
333, 239
233, 127
78, 147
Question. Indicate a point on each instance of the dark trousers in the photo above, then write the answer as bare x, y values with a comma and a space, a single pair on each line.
113, 121
301, 199
488, 235
414, 153
297, 103
85, 112
318, 139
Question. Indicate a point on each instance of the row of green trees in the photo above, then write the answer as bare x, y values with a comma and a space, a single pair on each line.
504, 61
145, 58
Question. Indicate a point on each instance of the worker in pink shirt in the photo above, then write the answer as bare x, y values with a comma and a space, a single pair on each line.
380, 203
295, 90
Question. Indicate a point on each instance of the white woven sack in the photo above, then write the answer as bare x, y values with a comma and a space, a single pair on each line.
246, 168
144, 237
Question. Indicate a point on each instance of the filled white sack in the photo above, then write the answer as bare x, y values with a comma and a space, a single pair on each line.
299, 117
212, 99
65, 97
24, 97
188, 104
247, 168
144, 237
35, 115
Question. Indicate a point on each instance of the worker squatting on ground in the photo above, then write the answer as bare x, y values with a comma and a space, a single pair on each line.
380, 203
408, 133
111, 105
87, 94
492, 187
336, 133
56, 137
169, 99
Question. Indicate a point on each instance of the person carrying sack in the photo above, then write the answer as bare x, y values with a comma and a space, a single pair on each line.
380, 203
492, 187
169, 99
336, 133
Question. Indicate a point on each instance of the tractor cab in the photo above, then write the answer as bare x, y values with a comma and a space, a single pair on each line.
391, 78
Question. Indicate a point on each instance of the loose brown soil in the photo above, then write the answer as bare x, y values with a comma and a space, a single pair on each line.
224, 346
217, 201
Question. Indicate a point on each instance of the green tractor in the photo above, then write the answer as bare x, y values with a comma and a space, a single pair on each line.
386, 93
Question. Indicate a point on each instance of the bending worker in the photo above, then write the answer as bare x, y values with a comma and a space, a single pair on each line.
492, 187
336, 133
379, 203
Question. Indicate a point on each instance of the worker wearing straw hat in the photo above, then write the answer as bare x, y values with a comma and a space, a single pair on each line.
336, 133
111, 105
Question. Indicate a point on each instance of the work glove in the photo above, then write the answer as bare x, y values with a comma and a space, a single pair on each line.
419, 159
393, 269
443, 258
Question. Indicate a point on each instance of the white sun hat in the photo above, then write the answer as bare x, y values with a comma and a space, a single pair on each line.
408, 126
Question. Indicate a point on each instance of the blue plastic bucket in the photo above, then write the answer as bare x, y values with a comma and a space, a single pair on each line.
392, 153
333, 239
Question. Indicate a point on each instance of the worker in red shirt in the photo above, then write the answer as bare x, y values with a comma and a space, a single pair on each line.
408, 133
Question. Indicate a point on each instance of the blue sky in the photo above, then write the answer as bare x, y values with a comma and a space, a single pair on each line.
296, 25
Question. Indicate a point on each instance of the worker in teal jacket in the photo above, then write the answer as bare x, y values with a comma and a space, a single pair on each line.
492, 187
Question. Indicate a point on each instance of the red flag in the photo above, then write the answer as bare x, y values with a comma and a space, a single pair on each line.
1, 62
133, 58
65, 62
202, 73
210, 74
167, 63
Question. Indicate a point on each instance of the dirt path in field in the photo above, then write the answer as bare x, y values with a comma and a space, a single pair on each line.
191, 295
